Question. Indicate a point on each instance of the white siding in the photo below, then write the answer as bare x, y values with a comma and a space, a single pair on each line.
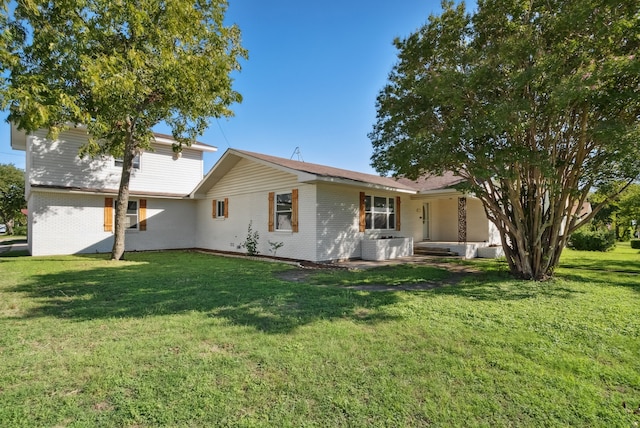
56, 163
247, 187
63, 223
338, 215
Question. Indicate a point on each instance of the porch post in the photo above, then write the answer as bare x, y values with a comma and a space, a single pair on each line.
462, 220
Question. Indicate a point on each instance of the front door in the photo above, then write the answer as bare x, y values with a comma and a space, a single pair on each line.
426, 227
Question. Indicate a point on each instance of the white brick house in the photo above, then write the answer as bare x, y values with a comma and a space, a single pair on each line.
317, 213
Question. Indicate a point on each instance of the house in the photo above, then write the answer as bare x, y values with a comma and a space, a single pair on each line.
70, 199
309, 211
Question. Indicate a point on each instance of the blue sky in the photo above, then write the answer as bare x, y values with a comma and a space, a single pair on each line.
311, 80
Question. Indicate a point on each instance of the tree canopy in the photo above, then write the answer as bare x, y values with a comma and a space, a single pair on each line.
120, 67
11, 195
533, 102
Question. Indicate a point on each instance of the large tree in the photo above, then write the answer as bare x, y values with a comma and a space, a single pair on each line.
120, 67
534, 102
11, 195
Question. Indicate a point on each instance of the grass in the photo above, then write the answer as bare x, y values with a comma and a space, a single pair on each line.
189, 339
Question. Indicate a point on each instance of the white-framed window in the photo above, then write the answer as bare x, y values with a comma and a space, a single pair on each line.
220, 208
135, 162
379, 212
131, 221
284, 211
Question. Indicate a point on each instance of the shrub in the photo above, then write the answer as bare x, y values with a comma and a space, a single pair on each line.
592, 240
251, 243
20, 230
635, 243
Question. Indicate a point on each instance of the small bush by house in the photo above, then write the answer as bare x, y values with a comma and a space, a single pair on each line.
635, 243
592, 240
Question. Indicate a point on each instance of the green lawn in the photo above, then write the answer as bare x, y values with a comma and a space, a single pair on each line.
190, 339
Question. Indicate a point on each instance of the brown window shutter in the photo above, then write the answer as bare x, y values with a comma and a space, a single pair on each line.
362, 207
272, 197
142, 214
214, 208
226, 207
108, 214
397, 212
294, 210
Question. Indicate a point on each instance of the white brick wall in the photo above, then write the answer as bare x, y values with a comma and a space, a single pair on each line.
63, 223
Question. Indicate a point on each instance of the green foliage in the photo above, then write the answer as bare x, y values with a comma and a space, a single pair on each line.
586, 239
534, 103
251, 241
275, 246
11, 196
622, 213
635, 244
120, 68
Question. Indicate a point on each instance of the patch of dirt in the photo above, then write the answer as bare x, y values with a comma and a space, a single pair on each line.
306, 268
458, 272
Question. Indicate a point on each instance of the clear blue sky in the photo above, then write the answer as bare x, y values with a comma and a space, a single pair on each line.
311, 80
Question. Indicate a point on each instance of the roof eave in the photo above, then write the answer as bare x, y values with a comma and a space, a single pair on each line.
355, 183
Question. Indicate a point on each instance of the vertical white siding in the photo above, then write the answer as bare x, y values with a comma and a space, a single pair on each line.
56, 163
63, 223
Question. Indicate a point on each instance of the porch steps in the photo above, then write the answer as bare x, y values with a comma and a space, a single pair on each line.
433, 251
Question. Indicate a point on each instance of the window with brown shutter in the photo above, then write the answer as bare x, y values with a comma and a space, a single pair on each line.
142, 213
294, 210
272, 197
108, 214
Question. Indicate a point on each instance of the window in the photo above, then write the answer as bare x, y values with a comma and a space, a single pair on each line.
136, 162
135, 218
131, 218
220, 208
284, 211
379, 212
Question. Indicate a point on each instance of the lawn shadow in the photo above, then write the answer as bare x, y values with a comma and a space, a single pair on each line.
501, 286
244, 292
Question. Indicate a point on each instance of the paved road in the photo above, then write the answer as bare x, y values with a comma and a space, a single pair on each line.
9, 243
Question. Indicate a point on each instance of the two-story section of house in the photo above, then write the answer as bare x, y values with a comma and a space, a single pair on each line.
71, 199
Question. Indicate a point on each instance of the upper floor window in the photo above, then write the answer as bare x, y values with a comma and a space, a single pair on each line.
136, 162
379, 212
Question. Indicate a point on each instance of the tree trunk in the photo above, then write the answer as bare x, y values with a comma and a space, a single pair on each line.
9, 224
117, 253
